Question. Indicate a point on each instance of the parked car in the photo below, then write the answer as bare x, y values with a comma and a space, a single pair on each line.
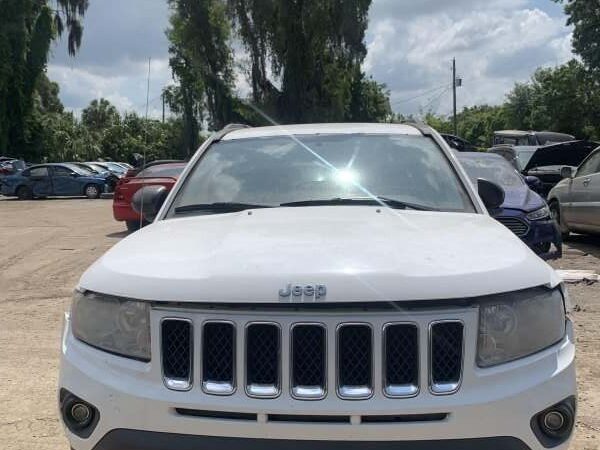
111, 178
47, 180
158, 175
530, 138
326, 286
523, 211
135, 170
11, 167
113, 168
575, 201
546, 162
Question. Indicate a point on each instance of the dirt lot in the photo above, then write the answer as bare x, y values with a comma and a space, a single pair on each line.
47, 244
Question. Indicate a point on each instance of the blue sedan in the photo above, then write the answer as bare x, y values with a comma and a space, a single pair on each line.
524, 211
53, 180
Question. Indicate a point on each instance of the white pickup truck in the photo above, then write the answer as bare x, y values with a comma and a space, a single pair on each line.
333, 286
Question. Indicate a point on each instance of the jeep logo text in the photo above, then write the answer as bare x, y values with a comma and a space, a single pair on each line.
303, 293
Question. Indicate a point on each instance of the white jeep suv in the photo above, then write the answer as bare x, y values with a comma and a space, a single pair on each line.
335, 286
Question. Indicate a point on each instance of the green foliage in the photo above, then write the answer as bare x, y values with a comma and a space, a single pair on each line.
584, 16
99, 115
27, 28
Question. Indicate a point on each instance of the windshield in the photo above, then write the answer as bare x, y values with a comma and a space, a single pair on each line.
275, 170
78, 169
115, 167
523, 157
496, 170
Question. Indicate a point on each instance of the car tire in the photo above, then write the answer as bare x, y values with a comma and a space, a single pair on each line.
24, 193
92, 191
555, 212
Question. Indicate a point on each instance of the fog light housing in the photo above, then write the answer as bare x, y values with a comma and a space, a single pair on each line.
554, 425
79, 416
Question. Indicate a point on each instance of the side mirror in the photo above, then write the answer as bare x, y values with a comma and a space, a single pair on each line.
74, 174
534, 183
566, 172
491, 194
148, 201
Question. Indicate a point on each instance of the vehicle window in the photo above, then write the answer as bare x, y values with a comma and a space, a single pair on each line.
277, 170
161, 171
523, 158
38, 172
496, 170
592, 165
59, 171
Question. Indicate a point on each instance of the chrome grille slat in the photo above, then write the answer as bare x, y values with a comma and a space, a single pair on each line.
263, 361
446, 342
355, 361
218, 358
401, 360
308, 361
177, 353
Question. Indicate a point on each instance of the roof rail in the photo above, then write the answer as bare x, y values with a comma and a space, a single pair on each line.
425, 129
228, 129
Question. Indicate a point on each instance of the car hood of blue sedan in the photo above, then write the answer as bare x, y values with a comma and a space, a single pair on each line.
522, 198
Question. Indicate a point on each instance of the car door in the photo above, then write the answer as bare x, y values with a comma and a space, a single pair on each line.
41, 183
583, 203
65, 181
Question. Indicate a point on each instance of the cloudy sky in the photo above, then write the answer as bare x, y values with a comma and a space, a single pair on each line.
411, 45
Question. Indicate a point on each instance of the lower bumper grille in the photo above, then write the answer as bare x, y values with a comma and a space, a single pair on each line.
356, 345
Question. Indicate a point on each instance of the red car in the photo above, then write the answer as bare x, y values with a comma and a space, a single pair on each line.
163, 174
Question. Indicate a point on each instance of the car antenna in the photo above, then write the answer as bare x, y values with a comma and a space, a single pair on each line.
146, 139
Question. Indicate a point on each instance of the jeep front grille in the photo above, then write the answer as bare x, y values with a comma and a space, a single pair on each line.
446, 353
266, 356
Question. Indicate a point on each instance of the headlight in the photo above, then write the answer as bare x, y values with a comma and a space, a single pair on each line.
515, 325
113, 324
539, 214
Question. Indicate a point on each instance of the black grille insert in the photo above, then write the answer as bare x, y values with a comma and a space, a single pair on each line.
218, 356
176, 336
401, 358
308, 360
263, 346
517, 226
446, 356
355, 361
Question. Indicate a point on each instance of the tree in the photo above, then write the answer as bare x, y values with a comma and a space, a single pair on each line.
27, 27
99, 115
584, 16
314, 51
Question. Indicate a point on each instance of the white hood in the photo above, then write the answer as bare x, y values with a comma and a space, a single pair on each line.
359, 254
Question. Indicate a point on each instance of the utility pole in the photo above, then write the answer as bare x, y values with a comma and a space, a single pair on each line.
454, 95
163, 101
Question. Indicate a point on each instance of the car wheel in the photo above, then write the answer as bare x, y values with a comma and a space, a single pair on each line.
24, 193
555, 211
92, 191
542, 248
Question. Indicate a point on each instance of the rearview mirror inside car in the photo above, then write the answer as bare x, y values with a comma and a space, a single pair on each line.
148, 201
566, 172
491, 194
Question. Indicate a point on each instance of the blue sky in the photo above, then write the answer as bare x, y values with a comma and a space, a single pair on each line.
411, 44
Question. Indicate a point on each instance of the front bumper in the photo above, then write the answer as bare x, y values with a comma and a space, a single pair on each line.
492, 410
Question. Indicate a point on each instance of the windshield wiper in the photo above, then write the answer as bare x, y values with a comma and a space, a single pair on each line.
392, 203
222, 207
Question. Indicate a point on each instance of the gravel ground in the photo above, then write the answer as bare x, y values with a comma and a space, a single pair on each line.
47, 244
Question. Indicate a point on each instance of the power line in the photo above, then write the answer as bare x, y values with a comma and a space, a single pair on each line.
406, 100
